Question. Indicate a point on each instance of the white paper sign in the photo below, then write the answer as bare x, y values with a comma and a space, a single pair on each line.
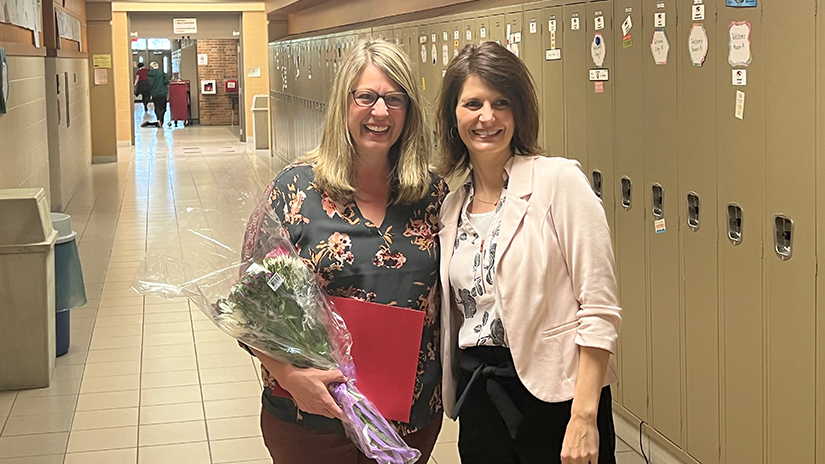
552, 55
483, 32
627, 25
434, 54
598, 50
659, 226
739, 76
574, 24
598, 75
740, 43
659, 20
434, 38
532, 27
203, 59
599, 23
185, 25
469, 34
740, 105
445, 54
660, 47
423, 53
698, 45
699, 12
445, 36
456, 35
551, 25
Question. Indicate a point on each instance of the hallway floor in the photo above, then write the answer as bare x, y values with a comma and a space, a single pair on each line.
147, 380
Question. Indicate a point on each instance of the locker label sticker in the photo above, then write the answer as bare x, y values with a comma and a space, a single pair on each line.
739, 44
660, 226
698, 45
598, 50
659, 20
740, 105
456, 35
660, 5
552, 55
628, 9
740, 76
574, 24
699, 12
445, 54
422, 39
551, 25
445, 36
553, 39
627, 41
469, 34
660, 47
532, 27
599, 23
483, 32
599, 75
627, 25
423, 53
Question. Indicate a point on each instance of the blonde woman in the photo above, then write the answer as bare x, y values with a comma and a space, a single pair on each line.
533, 314
362, 210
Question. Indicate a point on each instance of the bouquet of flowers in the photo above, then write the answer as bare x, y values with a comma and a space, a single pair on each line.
275, 306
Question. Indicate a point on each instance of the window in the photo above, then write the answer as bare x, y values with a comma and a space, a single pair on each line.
166, 65
138, 44
159, 44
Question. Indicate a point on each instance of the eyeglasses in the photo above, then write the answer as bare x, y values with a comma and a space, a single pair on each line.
368, 98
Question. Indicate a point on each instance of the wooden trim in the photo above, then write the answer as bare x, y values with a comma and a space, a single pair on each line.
18, 49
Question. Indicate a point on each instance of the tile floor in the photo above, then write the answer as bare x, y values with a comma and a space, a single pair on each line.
148, 380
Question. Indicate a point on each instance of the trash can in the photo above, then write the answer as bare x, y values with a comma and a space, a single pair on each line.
260, 121
27, 238
69, 290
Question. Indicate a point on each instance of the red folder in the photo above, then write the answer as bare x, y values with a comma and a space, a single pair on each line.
386, 341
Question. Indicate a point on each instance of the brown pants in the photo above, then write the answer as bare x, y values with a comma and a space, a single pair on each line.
294, 444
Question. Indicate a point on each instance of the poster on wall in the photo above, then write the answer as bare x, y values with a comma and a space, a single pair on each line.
185, 25
208, 87
4, 81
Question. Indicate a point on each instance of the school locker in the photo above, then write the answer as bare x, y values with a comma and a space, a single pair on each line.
576, 83
532, 52
552, 81
482, 27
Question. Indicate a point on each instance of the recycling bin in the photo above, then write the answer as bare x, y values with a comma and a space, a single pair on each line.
260, 121
27, 311
70, 291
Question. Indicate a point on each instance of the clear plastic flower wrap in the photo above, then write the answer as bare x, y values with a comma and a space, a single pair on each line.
264, 296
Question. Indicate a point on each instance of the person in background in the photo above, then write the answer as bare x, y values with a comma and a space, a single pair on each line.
159, 86
361, 209
530, 312
142, 87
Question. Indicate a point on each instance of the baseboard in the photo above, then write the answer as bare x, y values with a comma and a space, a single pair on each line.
657, 448
104, 159
124, 143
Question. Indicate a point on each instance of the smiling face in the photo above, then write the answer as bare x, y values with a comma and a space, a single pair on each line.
374, 129
485, 121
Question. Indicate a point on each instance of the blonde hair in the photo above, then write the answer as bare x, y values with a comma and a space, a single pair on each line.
154, 65
335, 155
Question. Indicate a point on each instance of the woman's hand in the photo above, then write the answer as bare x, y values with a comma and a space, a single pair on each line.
581, 441
308, 387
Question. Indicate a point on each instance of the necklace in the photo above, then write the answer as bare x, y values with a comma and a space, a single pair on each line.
487, 202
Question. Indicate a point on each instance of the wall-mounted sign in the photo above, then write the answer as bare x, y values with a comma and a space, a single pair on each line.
102, 61
740, 43
185, 25
101, 76
660, 47
203, 59
741, 3
553, 54
698, 45
208, 87
597, 75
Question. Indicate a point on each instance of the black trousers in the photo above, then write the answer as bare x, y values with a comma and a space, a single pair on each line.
160, 107
145, 93
484, 438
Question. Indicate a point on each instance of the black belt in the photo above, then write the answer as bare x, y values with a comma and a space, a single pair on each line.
495, 390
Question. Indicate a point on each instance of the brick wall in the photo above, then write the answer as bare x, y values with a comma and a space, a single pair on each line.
222, 64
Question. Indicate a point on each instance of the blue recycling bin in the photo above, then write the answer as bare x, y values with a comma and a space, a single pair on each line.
70, 291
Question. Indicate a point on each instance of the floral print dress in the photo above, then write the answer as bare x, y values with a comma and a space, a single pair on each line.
395, 264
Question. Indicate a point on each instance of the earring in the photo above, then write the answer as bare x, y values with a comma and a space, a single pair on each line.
454, 132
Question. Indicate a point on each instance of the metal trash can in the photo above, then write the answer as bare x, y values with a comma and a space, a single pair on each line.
70, 291
27, 238
260, 121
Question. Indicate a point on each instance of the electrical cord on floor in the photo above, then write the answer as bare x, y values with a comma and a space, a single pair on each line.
641, 445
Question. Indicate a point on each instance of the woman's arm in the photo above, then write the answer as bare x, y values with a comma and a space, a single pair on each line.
581, 440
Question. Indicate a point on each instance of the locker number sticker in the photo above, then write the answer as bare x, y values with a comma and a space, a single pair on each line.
659, 20
699, 12
740, 76
574, 24
599, 23
551, 25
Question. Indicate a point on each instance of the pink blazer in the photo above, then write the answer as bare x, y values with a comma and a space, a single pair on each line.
555, 275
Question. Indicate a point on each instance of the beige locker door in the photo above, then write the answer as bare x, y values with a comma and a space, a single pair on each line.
698, 231
789, 30
662, 194
820, 233
532, 52
741, 148
552, 81
498, 27
576, 85
598, 23
482, 28
630, 209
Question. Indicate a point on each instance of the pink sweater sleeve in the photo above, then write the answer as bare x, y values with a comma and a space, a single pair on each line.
578, 217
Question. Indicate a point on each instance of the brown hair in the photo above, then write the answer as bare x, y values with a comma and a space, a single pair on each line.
506, 73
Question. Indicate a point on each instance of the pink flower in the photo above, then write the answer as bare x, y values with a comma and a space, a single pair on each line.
280, 251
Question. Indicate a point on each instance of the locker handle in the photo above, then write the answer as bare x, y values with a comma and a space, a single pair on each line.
783, 236
735, 223
693, 204
658, 201
627, 193
597, 182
